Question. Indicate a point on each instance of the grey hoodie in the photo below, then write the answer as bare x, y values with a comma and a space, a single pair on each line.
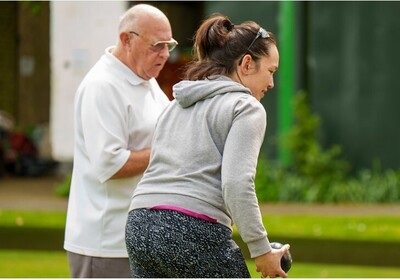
204, 157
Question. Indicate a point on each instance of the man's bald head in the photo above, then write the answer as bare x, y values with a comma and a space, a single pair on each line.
139, 15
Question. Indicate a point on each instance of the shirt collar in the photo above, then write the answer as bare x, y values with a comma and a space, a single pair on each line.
125, 71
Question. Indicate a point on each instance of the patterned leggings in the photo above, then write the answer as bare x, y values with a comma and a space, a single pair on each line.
169, 244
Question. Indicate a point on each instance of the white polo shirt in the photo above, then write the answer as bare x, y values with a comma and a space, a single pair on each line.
115, 112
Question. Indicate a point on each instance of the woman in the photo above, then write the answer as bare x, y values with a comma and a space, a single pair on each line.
200, 179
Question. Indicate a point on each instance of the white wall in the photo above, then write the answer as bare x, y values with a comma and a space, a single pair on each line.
79, 33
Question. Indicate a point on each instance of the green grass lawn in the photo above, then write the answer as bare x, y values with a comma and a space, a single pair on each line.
308, 270
374, 228
33, 264
45, 264
32, 219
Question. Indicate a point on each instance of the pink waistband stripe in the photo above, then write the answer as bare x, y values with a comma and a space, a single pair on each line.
186, 212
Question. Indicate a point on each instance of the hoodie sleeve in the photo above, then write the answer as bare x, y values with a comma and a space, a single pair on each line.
239, 163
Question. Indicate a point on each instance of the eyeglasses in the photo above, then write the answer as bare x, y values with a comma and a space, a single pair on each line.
159, 45
261, 33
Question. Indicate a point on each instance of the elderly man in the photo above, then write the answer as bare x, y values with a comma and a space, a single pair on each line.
116, 109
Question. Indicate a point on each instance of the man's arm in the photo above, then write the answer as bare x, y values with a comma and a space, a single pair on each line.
135, 165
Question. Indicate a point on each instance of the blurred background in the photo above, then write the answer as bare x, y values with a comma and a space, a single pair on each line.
344, 55
332, 137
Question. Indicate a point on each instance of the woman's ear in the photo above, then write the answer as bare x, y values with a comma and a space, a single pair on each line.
245, 66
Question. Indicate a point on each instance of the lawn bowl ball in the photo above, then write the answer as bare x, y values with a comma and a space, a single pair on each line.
286, 260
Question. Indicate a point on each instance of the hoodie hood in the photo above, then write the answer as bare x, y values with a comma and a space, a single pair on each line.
187, 93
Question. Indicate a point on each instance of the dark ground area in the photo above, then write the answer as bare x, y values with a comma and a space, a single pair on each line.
31, 194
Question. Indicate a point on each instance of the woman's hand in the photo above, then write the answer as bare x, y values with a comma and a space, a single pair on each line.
269, 264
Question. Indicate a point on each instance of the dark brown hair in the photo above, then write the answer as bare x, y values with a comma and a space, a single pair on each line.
218, 45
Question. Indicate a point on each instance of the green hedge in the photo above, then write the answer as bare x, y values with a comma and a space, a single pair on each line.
278, 184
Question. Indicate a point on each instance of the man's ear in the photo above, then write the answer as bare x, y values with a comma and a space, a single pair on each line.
125, 38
